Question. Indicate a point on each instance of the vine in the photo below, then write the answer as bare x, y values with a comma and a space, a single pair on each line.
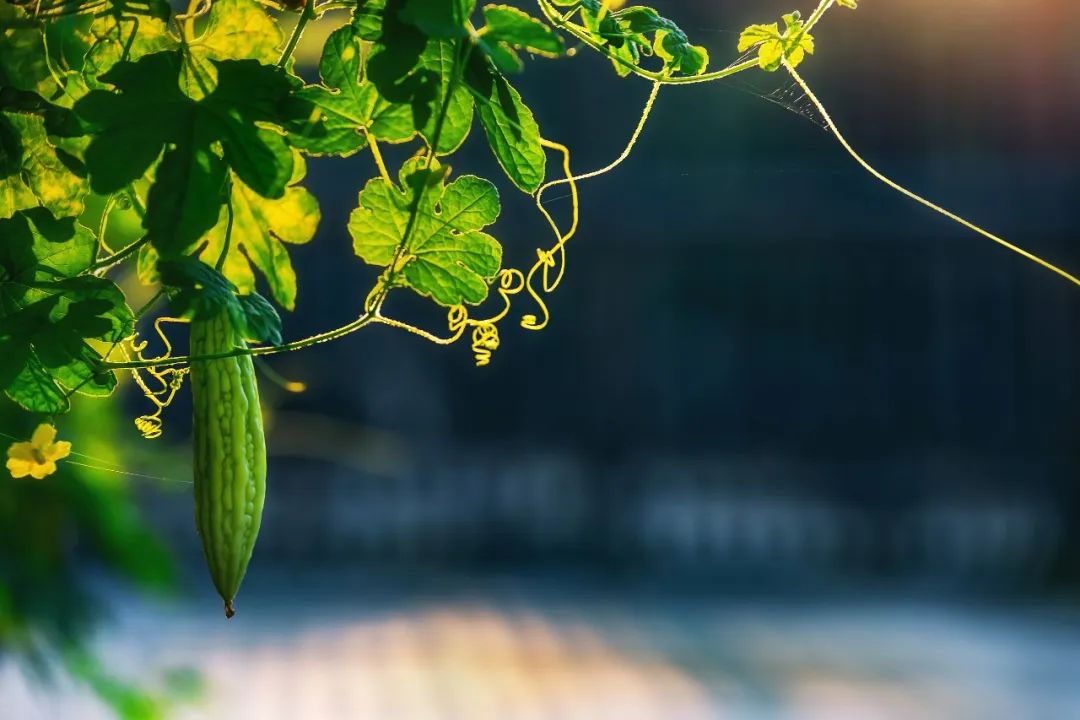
198, 124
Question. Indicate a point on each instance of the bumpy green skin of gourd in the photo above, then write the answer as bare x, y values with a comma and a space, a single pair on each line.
230, 454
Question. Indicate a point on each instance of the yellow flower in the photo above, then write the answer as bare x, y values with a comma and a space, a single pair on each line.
38, 457
614, 4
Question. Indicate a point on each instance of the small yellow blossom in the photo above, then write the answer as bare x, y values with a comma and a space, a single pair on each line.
614, 4
38, 457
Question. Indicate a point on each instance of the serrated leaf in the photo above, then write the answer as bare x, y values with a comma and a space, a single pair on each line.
261, 228
48, 314
333, 118
446, 256
368, 18
511, 129
115, 41
774, 46
148, 112
34, 165
40, 248
235, 30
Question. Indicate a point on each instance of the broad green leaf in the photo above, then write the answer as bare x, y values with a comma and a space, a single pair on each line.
22, 56
439, 18
438, 59
183, 203
368, 18
261, 228
40, 248
256, 319
195, 289
680, 55
133, 125
445, 256
774, 46
235, 30
47, 173
508, 28
115, 41
47, 314
510, 126
332, 118
149, 112
15, 194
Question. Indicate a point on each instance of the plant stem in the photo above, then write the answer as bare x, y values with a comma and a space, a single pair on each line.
118, 257
587, 38
367, 318
911, 195
306, 15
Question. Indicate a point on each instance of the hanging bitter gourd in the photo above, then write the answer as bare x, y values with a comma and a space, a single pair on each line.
230, 453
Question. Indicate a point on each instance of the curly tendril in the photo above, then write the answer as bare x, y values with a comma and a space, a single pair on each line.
171, 379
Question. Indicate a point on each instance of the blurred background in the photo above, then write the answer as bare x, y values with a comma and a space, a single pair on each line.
792, 447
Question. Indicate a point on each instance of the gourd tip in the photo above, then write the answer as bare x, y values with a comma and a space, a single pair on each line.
229, 612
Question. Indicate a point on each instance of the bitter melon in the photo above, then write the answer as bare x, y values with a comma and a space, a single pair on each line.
230, 453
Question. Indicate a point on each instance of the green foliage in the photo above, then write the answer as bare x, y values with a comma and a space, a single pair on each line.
235, 30
508, 29
198, 291
430, 231
792, 44
50, 312
638, 32
260, 228
201, 123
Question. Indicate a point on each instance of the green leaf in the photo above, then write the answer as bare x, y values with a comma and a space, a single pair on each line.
39, 248
626, 33
774, 46
508, 27
132, 125
445, 256
48, 314
439, 18
510, 126
235, 30
32, 167
261, 227
23, 62
116, 41
257, 320
438, 61
198, 291
148, 112
678, 54
183, 203
332, 118
368, 18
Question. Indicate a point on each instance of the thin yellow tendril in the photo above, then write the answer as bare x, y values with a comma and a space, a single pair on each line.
171, 380
908, 193
550, 263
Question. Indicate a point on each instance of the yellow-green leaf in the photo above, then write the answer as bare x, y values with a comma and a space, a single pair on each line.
235, 30
261, 229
